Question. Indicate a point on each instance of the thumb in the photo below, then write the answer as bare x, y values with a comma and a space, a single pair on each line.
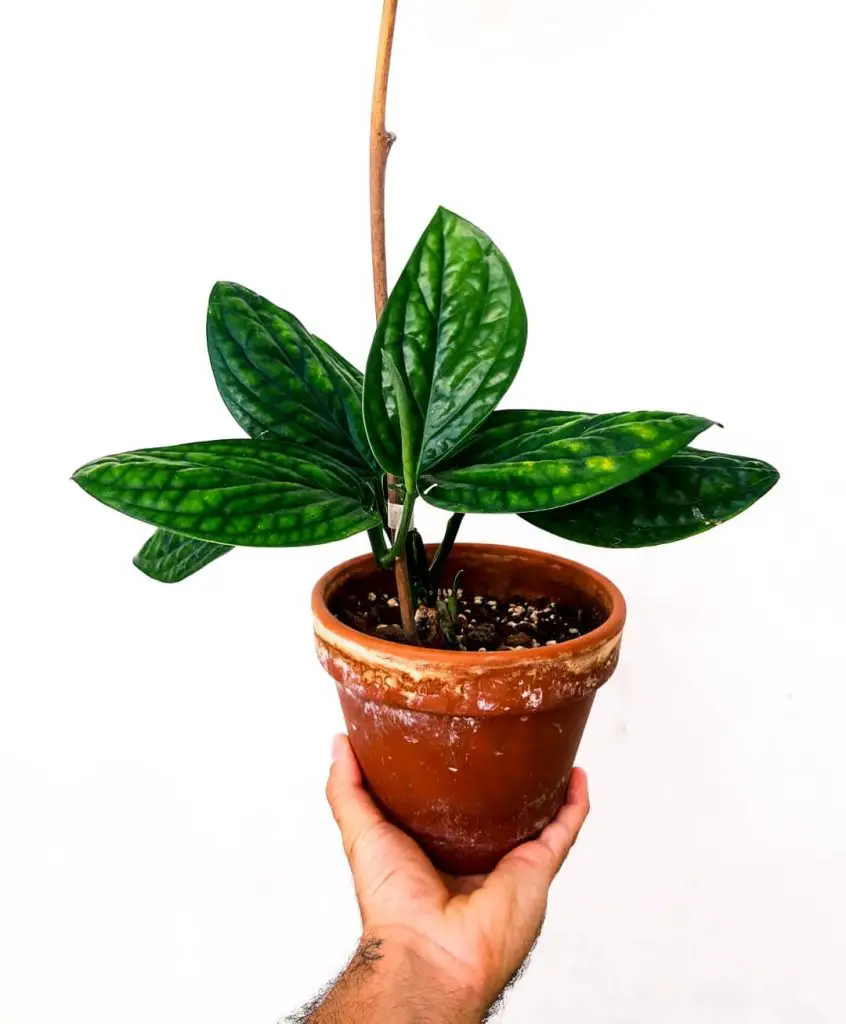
536, 863
562, 832
351, 804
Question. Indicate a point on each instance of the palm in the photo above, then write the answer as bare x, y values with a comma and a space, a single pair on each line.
485, 924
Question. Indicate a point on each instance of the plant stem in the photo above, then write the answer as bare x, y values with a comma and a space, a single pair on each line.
443, 552
391, 557
380, 146
377, 543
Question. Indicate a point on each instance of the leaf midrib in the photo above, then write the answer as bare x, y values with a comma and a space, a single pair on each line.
315, 410
487, 249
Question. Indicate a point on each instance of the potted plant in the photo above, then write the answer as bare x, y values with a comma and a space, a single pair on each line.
466, 674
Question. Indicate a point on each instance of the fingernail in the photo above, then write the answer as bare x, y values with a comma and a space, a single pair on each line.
337, 746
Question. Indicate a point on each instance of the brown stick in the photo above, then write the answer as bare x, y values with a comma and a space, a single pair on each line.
380, 146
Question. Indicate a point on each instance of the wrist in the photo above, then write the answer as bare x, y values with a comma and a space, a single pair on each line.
432, 976
396, 977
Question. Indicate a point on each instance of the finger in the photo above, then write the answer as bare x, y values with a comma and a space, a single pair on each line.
529, 869
351, 804
560, 834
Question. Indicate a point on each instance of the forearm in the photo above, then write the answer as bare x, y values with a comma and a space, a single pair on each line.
387, 982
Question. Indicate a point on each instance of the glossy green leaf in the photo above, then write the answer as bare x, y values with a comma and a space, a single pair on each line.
169, 557
690, 493
259, 331
509, 432
279, 381
405, 413
252, 493
539, 461
455, 327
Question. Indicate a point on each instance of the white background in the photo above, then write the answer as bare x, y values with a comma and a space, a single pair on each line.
667, 179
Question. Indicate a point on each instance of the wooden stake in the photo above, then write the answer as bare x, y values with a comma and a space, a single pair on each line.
381, 141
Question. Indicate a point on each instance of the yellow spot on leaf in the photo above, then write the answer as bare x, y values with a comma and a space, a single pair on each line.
643, 430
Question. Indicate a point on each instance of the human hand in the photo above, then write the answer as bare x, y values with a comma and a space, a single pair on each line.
461, 938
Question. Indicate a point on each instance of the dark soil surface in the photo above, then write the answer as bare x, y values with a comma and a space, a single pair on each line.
470, 622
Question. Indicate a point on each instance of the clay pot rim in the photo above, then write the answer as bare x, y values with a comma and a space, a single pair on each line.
430, 656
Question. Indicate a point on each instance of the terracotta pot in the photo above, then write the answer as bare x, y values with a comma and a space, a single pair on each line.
470, 752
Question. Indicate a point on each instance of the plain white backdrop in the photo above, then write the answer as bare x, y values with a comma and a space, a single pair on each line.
667, 180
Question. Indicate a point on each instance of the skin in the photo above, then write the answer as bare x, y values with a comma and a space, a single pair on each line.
435, 948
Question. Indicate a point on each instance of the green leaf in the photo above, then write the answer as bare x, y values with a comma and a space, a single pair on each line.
690, 493
169, 558
279, 381
510, 432
405, 412
252, 493
258, 330
539, 461
455, 327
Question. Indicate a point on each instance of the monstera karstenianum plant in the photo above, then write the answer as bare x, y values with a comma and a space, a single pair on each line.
322, 438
